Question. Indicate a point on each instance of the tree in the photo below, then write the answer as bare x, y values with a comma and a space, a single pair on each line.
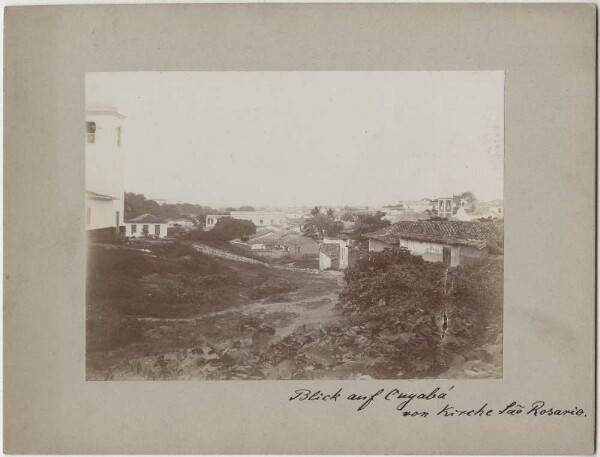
228, 229
347, 216
469, 197
137, 204
416, 320
367, 223
321, 224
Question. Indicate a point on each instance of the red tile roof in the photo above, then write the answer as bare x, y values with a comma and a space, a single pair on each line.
475, 234
151, 218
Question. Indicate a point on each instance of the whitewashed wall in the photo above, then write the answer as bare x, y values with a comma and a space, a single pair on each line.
140, 229
104, 166
102, 213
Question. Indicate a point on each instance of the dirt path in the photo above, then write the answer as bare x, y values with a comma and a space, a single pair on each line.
318, 309
226, 255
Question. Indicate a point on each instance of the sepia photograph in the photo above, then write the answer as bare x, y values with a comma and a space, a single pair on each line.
306, 225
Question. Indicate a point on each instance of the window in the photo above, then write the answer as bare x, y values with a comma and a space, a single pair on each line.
261, 221
157, 230
90, 132
145, 229
133, 228
88, 216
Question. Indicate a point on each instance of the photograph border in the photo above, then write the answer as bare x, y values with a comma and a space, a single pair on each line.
549, 55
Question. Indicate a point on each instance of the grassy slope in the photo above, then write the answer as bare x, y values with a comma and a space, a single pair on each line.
172, 280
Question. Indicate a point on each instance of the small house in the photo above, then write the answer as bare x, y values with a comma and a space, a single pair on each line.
146, 225
281, 244
333, 254
212, 219
456, 242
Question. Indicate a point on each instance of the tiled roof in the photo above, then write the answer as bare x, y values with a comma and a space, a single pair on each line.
151, 218
331, 250
476, 234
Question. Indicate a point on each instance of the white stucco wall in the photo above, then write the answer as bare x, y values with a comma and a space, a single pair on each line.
260, 219
343, 244
212, 219
102, 213
104, 166
324, 261
433, 252
139, 232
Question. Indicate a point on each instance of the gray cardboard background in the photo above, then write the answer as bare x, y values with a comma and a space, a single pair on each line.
548, 53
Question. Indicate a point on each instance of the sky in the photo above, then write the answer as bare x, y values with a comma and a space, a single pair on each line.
308, 138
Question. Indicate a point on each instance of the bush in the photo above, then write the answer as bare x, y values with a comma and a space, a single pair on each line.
227, 229
399, 301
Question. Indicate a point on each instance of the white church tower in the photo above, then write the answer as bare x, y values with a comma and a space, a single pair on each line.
104, 171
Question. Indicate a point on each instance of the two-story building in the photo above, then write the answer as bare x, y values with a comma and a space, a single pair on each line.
445, 207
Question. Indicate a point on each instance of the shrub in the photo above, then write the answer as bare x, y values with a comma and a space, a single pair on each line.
399, 301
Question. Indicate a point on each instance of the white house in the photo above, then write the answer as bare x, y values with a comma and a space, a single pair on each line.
105, 192
454, 242
333, 254
212, 219
259, 218
146, 225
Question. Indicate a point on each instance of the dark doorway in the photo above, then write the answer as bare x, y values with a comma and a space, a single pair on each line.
447, 256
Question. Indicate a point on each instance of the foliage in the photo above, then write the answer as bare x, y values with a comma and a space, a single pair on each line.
176, 232
399, 302
137, 204
348, 216
367, 223
470, 199
322, 224
227, 229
